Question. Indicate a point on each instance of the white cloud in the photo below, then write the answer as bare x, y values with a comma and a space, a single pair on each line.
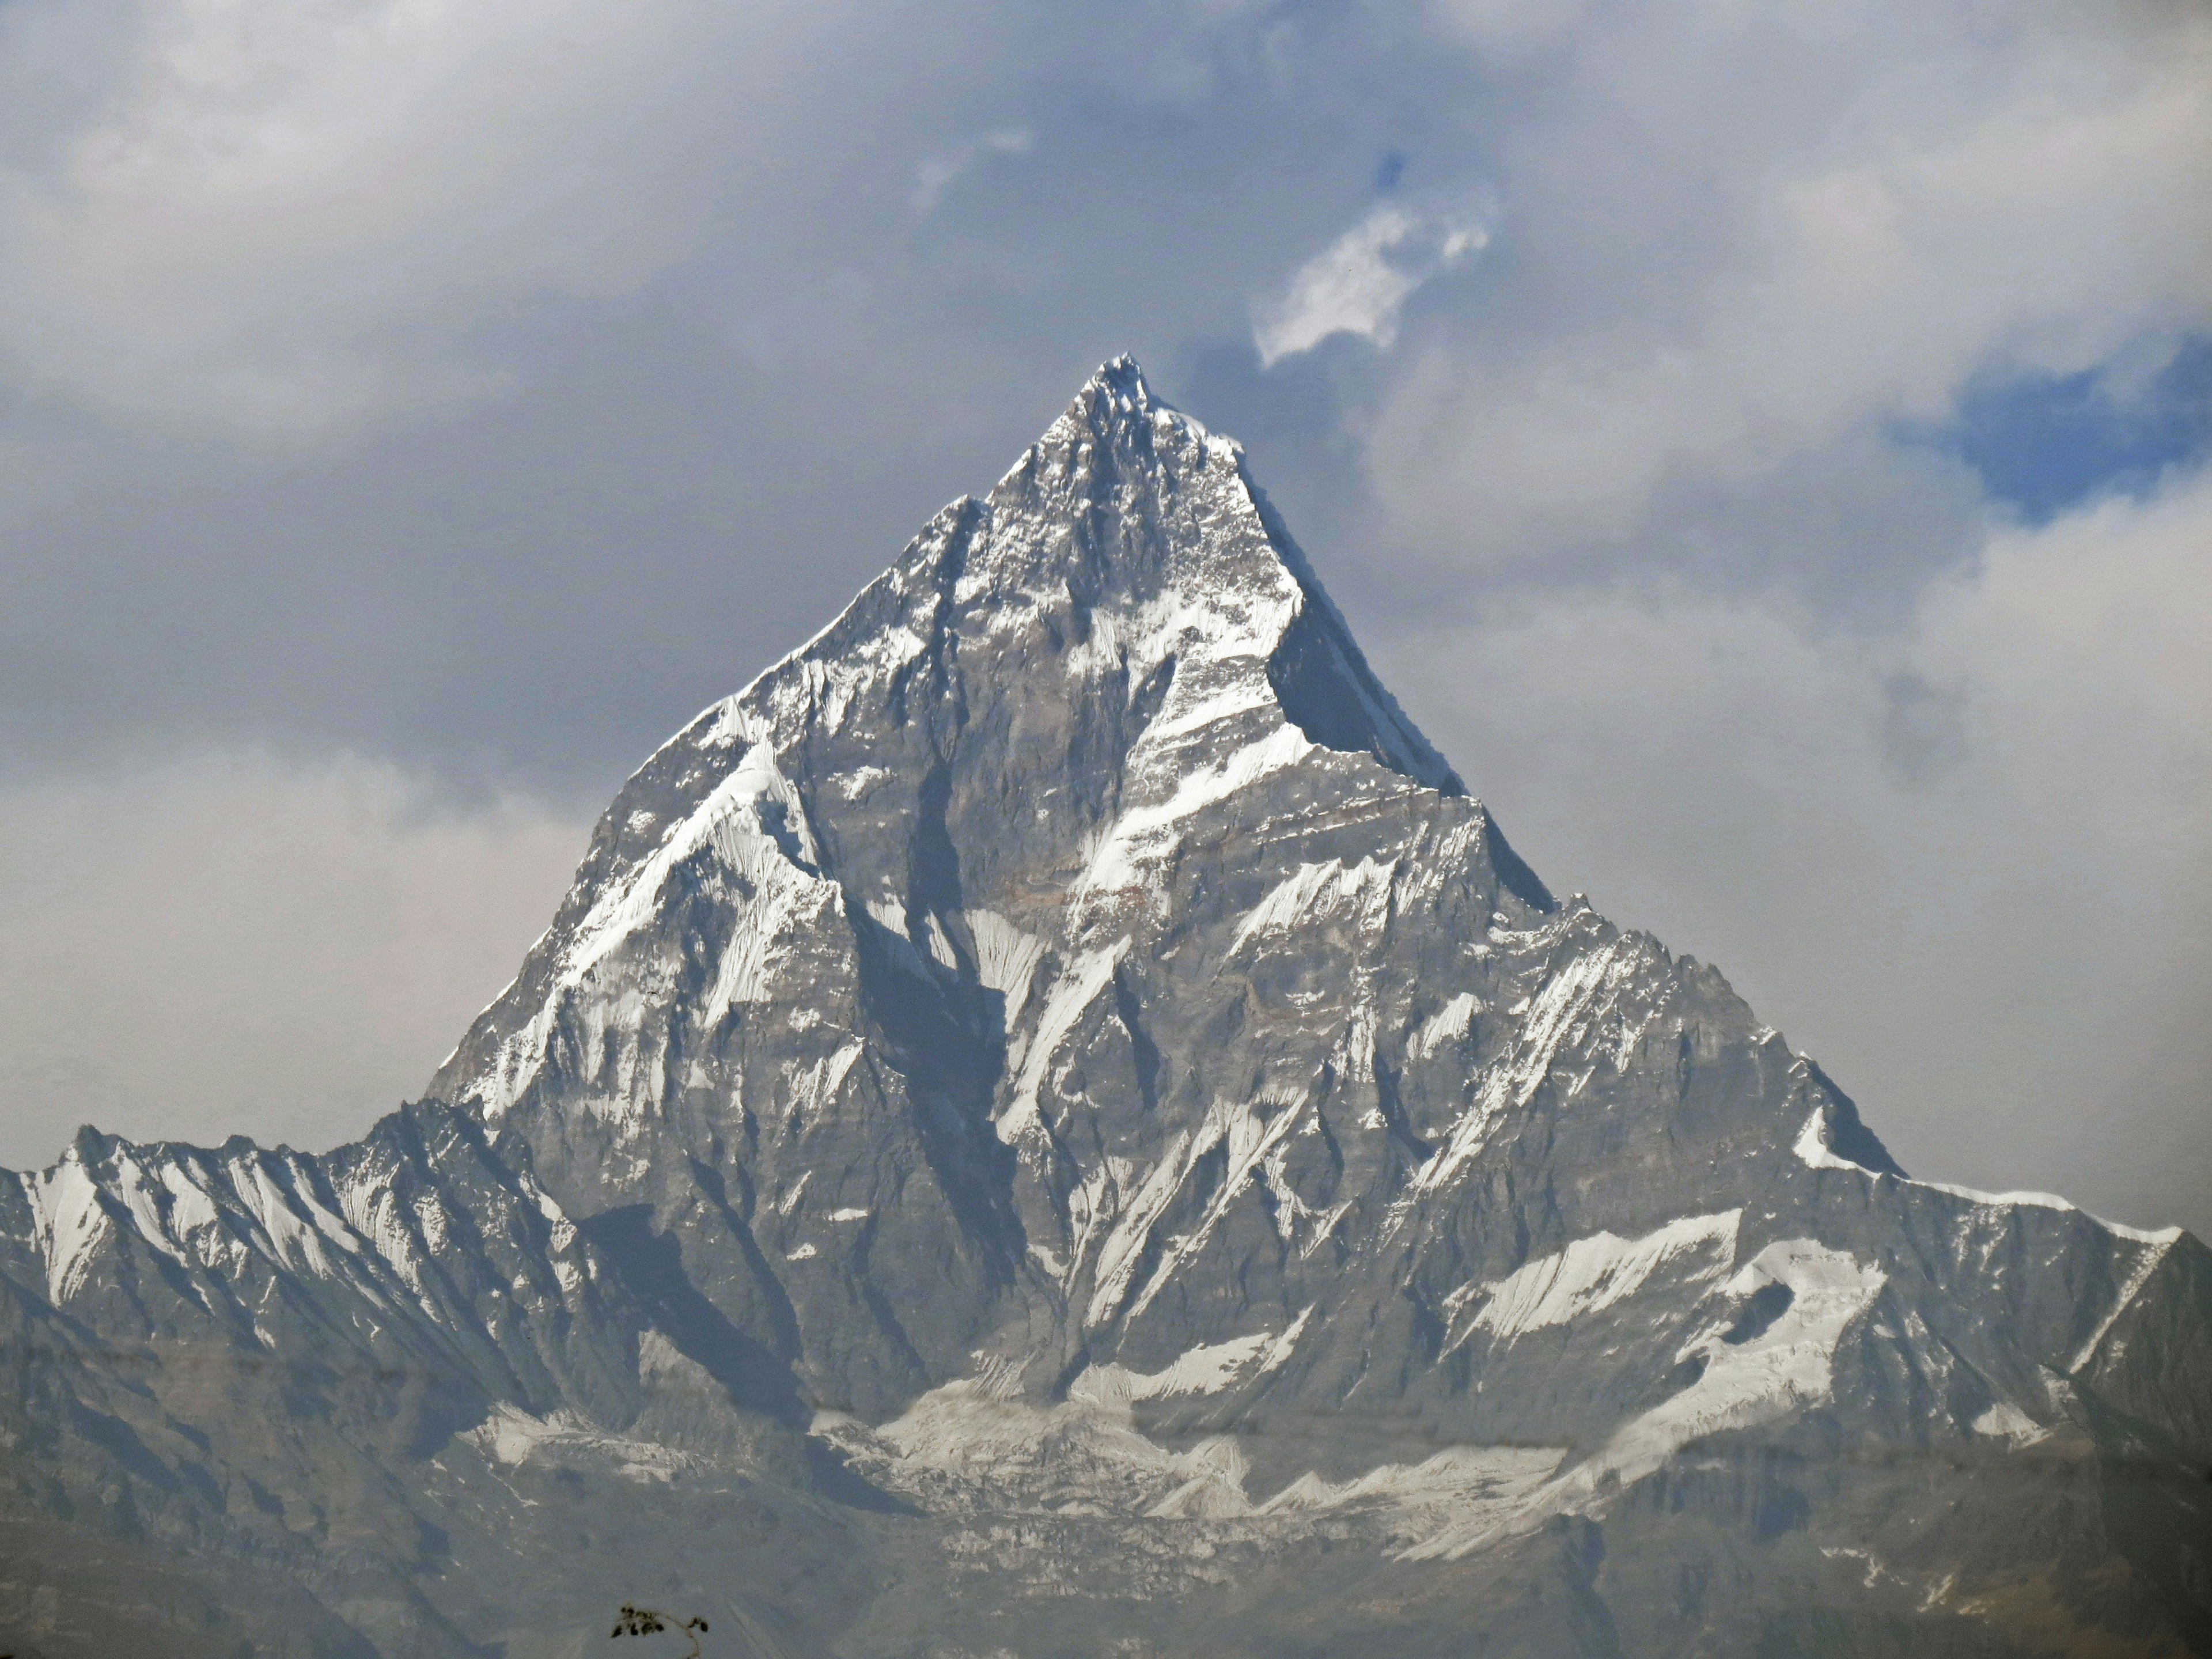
1746, 242
286, 216
1991, 926
223, 944
1360, 283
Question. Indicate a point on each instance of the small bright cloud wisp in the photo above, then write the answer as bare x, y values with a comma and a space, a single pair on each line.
1360, 283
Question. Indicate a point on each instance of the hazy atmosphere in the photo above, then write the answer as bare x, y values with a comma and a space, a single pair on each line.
1766, 448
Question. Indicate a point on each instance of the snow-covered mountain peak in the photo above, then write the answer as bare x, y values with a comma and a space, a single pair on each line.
1061, 1047
1071, 964
1118, 394
1123, 583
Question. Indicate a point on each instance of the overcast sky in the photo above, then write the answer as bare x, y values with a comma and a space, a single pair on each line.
1765, 444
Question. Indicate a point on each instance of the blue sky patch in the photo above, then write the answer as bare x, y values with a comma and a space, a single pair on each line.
2043, 443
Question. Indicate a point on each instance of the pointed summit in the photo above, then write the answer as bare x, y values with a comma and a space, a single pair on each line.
1118, 389
1118, 406
1180, 515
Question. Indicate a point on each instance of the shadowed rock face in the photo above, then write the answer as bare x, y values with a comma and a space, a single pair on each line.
1057, 1091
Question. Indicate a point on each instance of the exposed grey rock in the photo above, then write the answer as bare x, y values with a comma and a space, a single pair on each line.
1052, 1122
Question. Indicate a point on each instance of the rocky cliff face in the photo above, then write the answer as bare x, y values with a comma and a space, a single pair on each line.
1052, 1122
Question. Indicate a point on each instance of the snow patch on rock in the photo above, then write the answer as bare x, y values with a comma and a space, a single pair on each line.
1317, 893
1006, 959
1444, 1027
1210, 1368
1592, 1274
1075, 991
511, 1436
2007, 1422
67, 1223
1745, 1379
